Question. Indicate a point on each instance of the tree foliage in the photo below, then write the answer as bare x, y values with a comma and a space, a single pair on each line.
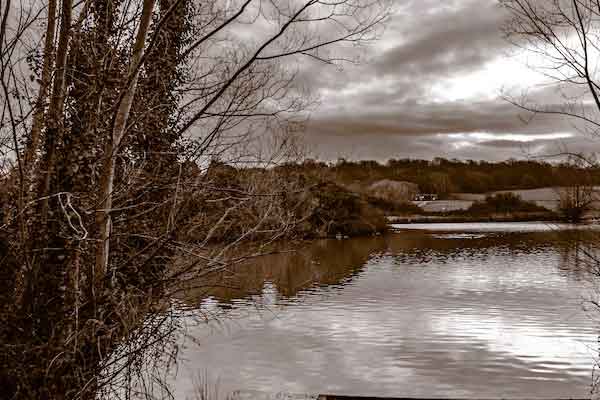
450, 176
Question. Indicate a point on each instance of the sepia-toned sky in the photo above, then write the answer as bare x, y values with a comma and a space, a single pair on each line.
433, 86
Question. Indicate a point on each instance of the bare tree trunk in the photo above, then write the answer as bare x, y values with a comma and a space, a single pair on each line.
112, 146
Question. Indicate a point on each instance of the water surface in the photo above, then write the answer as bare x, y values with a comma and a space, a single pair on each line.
482, 310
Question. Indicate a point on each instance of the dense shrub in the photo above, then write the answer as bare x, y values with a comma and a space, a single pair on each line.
334, 210
504, 203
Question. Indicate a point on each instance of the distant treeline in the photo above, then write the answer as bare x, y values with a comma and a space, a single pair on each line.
444, 176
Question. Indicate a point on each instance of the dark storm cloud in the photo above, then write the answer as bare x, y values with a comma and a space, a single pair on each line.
446, 42
445, 118
425, 41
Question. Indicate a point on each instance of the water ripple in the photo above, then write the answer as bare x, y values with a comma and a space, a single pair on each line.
413, 314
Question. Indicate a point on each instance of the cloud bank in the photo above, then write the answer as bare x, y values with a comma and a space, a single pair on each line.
431, 87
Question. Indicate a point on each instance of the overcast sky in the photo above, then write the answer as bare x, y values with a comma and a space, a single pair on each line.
431, 87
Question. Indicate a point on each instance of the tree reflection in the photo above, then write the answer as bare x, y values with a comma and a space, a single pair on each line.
303, 266
290, 270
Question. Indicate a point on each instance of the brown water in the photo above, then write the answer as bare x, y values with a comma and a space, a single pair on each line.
483, 310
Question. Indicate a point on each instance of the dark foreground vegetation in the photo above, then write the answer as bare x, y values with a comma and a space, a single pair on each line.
108, 107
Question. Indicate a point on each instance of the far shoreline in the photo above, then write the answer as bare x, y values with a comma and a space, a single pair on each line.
436, 219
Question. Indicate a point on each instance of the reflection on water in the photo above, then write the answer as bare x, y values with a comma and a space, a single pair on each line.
323, 262
481, 313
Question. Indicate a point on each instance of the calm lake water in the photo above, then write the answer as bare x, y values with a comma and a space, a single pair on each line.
474, 310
